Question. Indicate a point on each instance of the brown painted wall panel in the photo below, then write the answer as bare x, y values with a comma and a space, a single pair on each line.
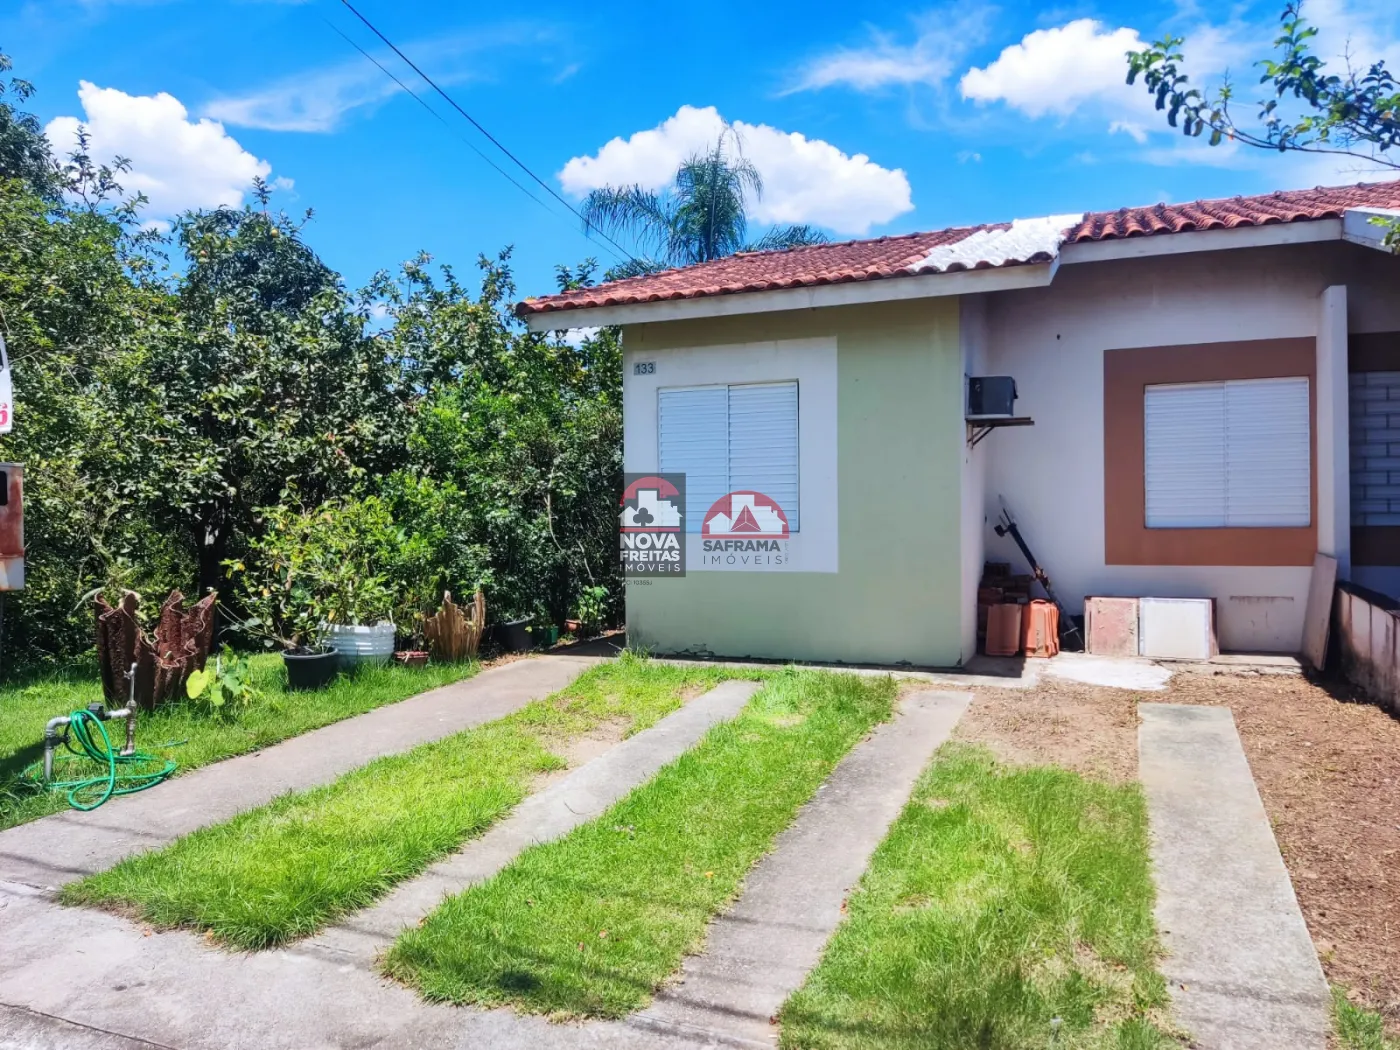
1375, 545
1127, 374
1373, 352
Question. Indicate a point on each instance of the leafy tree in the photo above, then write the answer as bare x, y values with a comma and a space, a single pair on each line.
1311, 110
168, 421
24, 152
702, 216
259, 375
515, 464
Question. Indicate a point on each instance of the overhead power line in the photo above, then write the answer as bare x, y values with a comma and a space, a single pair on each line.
440, 118
477, 124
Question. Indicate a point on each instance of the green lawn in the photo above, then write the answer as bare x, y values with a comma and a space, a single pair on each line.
1008, 907
290, 867
593, 923
182, 732
1357, 1027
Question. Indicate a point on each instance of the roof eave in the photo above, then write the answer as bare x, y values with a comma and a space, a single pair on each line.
881, 290
967, 282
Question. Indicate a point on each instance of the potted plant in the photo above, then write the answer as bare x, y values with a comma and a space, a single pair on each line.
416, 653
542, 636
359, 621
513, 635
592, 606
284, 611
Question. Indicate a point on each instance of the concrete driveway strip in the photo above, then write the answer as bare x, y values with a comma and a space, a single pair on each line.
558, 809
53, 850
1241, 970
761, 950
94, 981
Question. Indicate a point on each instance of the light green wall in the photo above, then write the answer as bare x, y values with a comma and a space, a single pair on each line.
900, 437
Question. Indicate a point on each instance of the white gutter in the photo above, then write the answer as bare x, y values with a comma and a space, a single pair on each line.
1302, 232
1355, 227
1359, 226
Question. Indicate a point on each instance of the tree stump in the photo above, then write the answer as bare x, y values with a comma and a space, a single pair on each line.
451, 636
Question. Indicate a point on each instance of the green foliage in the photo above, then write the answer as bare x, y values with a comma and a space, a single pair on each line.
185, 732
175, 389
1024, 895
24, 152
228, 685
592, 606
703, 216
1357, 1027
1311, 110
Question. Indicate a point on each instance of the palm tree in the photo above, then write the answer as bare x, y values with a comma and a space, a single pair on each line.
699, 218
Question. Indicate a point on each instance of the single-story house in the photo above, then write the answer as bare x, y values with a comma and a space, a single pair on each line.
1215, 390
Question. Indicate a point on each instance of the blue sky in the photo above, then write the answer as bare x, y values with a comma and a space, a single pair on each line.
863, 119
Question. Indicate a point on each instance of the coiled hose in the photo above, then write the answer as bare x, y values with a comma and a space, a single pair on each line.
90, 792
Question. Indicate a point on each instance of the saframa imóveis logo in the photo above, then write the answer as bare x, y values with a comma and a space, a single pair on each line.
744, 528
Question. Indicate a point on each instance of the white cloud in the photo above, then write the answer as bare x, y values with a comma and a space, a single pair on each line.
940, 41
317, 100
177, 163
313, 101
1134, 131
1053, 71
804, 180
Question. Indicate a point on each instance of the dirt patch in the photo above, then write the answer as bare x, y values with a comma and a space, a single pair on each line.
1090, 729
577, 750
1328, 771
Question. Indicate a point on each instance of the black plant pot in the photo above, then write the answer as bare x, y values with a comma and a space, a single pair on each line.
514, 637
311, 670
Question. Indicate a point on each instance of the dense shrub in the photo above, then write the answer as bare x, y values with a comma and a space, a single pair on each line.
213, 401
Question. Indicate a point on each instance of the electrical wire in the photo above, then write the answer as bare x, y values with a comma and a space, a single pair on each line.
440, 118
492, 138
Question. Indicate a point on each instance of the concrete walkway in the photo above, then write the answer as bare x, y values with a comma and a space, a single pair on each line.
1242, 970
761, 950
93, 981
576, 799
48, 852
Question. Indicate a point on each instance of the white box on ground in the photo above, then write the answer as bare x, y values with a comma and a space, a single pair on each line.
1177, 628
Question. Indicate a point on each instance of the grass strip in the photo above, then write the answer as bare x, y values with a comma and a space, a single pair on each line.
288, 868
183, 732
1008, 907
593, 923
1357, 1027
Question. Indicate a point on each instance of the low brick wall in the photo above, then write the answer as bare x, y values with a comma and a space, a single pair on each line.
1368, 640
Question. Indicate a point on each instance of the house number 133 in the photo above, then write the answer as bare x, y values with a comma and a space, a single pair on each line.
644, 368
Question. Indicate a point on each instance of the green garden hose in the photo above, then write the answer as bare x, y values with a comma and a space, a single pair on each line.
90, 792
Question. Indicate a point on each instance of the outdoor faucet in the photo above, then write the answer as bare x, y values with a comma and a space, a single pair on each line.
99, 712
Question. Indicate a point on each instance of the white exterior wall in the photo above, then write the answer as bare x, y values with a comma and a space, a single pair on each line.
1052, 340
972, 332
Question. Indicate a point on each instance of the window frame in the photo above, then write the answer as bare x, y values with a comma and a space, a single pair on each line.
1126, 375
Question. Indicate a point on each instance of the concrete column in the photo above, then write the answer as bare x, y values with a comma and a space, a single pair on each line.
1333, 442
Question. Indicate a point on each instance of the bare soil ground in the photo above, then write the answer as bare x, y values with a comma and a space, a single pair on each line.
1090, 729
1328, 771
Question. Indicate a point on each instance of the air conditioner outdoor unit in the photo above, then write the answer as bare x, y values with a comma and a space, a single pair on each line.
991, 397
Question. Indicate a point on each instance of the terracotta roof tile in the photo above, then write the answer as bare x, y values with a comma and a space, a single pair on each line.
886, 257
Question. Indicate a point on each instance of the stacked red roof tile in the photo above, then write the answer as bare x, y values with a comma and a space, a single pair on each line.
885, 257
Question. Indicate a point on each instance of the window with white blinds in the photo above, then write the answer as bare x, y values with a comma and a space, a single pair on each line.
729, 438
1231, 454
